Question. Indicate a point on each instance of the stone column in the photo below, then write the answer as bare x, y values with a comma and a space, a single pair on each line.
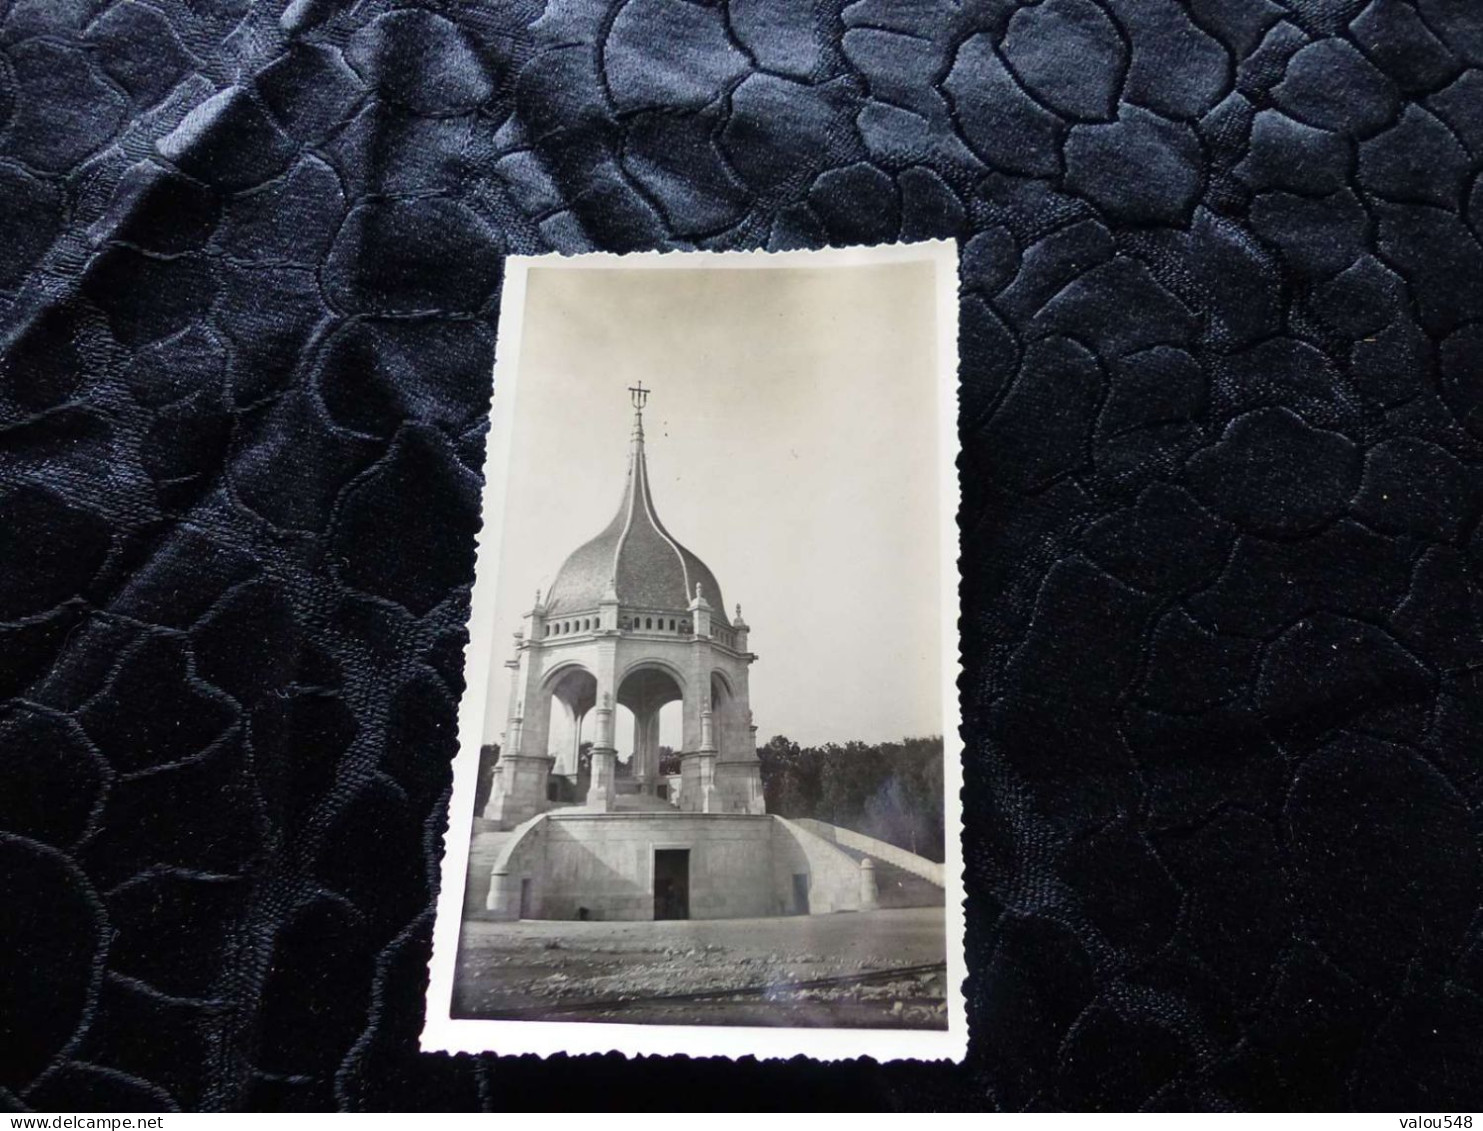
520, 778
535, 703
646, 747
739, 773
604, 759
707, 759
637, 764
517, 698
698, 753
603, 788
569, 761
869, 893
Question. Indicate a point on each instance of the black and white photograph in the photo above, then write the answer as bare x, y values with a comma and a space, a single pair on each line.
799, 556
706, 794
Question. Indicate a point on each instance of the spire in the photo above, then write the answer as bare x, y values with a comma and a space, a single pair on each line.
634, 558
637, 511
636, 489
640, 396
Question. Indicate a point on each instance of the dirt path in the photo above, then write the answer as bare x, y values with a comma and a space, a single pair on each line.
736, 971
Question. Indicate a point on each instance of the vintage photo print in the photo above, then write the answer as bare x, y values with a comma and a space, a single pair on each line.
706, 798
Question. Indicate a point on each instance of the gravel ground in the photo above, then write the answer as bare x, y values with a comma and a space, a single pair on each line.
614, 971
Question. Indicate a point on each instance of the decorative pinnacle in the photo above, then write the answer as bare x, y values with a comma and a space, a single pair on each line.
640, 397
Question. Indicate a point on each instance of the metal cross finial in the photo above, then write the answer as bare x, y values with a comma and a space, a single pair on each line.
639, 394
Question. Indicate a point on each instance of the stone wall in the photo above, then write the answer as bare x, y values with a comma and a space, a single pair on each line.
740, 866
605, 863
834, 879
522, 856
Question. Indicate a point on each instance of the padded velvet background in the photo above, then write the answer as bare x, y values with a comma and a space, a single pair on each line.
1222, 316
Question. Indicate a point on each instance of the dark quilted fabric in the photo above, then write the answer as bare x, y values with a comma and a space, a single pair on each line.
1222, 414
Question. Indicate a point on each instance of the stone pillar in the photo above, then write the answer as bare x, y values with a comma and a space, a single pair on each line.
569, 761
869, 893
739, 773
698, 751
700, 613
503, 901
603, 789
651, 764
534, 702
637, 763
707, 759
607, 611
537, 617
517, 699
646, 747
518, 791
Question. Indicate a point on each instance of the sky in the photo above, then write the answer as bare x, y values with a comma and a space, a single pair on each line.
792, 445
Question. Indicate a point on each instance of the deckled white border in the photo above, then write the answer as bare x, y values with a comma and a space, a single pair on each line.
442, 1033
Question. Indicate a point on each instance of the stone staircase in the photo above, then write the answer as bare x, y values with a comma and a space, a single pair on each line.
898, 886
641, 803
484, 849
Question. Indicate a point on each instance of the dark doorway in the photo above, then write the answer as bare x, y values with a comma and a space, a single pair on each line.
525, 899
800, 893
671, 883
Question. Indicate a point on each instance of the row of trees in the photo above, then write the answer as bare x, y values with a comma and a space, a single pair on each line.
892, 791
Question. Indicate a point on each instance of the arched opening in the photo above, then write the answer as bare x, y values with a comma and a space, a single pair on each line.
723, 711
671, 739
572, 694
649, 718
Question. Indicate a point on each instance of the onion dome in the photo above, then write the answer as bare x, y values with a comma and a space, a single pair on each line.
635, 557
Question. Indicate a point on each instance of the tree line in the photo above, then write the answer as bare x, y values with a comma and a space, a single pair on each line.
892, 791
